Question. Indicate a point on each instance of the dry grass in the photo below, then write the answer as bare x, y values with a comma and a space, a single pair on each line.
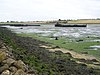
85, 21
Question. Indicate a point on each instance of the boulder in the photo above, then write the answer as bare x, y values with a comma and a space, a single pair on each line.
82, 60
3, 68
13, 69
3, 56
6, 72
94, 60
20, 65
9, 61
1, 44
20, 72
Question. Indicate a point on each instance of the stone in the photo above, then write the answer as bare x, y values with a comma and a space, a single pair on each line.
58, 52
13, 69
1, 45
68, 54
84, 52
9, 61
82, 60
20, 72
2, 56
20, 65
4, 67
30, 74
94, 60
6, 72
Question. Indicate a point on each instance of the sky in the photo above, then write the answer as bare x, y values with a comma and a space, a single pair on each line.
33, 10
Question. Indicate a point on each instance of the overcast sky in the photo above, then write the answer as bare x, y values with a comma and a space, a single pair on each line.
29, 10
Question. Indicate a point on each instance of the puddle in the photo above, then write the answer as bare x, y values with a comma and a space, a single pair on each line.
95, 47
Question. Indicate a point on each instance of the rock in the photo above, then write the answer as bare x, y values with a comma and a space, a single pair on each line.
58, 52
1, 44
2, 56
68, 54
4, 67
20, 65
94, 60
30, 74
9, 61
82, 60
97, 64
13, 69
6, 72
55, 47
84, 52
20, 72
56, 38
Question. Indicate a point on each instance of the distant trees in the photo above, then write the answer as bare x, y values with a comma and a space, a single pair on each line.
62, 21
12, 21
7, 21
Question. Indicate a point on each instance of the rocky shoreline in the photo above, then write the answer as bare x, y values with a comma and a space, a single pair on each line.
27, 57
8, 63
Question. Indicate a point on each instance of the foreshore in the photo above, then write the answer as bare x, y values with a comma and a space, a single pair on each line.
46, 62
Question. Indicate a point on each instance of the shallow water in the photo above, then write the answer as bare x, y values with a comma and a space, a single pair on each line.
50, 30
95, 47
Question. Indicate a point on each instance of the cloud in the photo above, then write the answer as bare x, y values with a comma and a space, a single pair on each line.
48, 9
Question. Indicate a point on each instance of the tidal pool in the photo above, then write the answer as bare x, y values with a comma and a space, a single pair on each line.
95, 47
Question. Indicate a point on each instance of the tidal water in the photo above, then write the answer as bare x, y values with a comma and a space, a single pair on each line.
92, 30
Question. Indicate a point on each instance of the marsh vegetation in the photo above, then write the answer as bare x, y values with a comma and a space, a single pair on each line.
86, 39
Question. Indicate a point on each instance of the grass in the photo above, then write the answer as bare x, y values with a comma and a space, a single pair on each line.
65, 43
85, 21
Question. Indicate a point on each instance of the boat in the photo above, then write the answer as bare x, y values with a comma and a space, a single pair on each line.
70, 25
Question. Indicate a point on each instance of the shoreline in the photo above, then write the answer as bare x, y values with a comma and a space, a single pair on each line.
87, 21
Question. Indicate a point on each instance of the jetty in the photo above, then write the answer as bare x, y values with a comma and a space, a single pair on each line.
70, 25
17, 25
